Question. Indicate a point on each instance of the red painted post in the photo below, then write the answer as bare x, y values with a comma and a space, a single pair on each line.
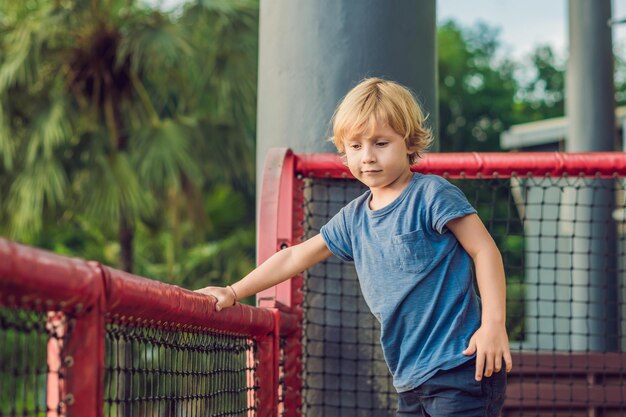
267, 370
280, 217
73, 290
84, 353
275, 218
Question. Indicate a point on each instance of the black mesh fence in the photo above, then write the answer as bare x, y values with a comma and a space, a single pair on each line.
31, 341
169, 370
345, 373
563, 246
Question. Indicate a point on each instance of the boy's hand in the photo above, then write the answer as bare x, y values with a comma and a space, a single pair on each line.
491, 345
224, 297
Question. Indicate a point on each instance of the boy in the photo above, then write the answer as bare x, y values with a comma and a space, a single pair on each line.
412, 238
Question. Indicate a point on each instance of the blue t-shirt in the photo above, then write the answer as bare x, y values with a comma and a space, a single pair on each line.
414, 274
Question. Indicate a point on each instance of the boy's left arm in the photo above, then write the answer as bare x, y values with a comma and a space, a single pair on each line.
490, 342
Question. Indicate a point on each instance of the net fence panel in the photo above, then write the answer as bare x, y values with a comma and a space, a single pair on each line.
174, 371
31, 341
345, 373
562, 241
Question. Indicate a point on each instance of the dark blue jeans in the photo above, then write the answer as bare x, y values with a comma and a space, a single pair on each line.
455, 392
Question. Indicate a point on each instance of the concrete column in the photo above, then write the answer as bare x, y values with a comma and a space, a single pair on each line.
590, 109
590, 103
311, 52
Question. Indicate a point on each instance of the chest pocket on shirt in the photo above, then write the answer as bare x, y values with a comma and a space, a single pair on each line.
413, 250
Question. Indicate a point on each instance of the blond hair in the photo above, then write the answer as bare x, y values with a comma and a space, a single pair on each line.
375, 100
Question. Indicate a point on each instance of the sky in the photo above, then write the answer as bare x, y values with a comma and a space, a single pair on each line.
523, 24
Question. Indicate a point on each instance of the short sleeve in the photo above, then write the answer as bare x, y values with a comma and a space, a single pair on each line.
447, 203
336, 236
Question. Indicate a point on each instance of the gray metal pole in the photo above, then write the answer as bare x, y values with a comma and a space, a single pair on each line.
311, 53
590, 111
590, 103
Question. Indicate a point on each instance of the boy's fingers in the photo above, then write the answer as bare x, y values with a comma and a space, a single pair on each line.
480, 366
497, 366
508, 360
220, 304
205, 291
489, 366
222, 300
210, 292
471, 348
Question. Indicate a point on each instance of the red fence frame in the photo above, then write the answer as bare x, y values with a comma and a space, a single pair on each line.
89, 290
280, 225
483, 165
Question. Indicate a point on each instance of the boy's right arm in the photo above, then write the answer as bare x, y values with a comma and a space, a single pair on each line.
279, 267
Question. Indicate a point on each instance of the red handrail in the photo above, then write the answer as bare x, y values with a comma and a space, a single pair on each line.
488, 164
88, 291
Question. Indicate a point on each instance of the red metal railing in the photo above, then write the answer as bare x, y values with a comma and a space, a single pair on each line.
88, 292
485, 165
542, 382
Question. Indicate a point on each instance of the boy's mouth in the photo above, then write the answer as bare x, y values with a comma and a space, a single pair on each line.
372, 171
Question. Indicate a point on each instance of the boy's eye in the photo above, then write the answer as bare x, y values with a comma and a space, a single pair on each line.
355, 146
382, 143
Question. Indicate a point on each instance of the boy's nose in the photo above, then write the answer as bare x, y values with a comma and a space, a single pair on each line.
368, 155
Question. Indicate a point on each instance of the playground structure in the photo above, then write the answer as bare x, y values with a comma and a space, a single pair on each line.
87, 340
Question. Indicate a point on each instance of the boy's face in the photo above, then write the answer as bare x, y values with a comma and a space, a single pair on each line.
379, 157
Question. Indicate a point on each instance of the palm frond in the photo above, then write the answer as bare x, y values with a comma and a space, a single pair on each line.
110, 187
216, 262
220, 262
42, 184
231, 149
162, 153
24, 40
153, 45
50, 130
16, 67
7, 145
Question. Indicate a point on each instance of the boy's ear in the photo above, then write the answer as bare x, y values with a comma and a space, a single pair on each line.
411, 151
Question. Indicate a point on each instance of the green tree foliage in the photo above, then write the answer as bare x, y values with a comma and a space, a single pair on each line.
211, 235
482, 92
476, 89
543, 95
127, 134
620, 74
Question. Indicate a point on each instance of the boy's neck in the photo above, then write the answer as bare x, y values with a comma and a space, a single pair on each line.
383, 196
